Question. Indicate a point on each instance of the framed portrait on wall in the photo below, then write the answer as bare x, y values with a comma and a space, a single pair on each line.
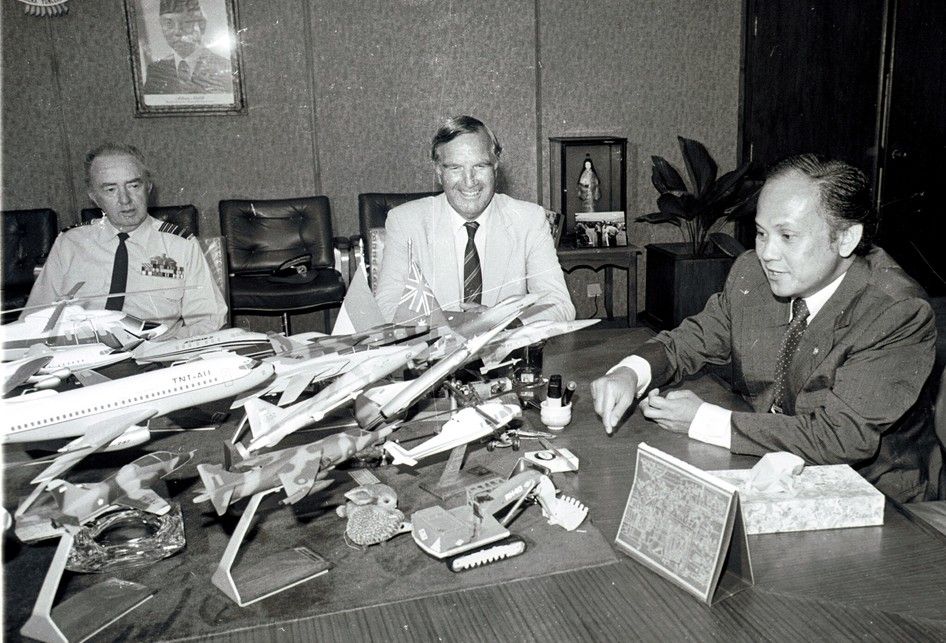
185, 57
588, 179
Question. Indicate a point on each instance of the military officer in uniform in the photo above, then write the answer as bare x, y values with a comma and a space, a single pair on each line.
128, 260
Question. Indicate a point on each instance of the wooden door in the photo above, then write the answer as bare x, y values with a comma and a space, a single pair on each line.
913, 168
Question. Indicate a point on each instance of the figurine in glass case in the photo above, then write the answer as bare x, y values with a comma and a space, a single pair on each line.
589, 186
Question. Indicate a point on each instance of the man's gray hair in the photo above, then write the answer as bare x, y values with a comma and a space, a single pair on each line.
457, 126
110, 148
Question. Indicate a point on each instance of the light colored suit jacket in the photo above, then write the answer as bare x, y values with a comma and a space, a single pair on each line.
857, 390
519, 256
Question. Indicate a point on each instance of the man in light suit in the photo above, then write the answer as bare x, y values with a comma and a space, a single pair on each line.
192, 68
830, 342
472, 245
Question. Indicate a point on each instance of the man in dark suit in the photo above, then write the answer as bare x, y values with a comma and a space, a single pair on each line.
192, 68
830, 342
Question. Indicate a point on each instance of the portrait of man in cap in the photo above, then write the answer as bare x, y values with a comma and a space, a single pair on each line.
191, 68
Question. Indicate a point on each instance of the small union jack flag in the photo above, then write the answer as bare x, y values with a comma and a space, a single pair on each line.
417, 297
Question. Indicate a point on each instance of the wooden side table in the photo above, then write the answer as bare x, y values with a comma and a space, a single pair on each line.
609, 258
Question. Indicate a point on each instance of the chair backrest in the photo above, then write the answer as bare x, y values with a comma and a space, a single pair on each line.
28, 237
183, 215
373, 207
263, 234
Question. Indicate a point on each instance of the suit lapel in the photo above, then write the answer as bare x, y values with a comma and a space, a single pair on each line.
442, 250
498, 252
819, 338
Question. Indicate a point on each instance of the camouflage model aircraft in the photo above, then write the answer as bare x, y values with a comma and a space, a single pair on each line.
298, 471
68, 505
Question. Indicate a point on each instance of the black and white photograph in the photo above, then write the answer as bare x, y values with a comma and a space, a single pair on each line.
474, 322
185, 56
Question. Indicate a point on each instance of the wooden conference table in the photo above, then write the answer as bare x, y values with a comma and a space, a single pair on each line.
874, 583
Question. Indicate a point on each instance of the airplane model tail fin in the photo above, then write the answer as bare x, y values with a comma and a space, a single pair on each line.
399, 454
219, 486
282, 344
263, 417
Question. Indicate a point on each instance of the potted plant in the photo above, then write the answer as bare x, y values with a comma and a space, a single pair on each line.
682, 276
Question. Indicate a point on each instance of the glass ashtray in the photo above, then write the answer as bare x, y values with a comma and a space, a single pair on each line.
126, 538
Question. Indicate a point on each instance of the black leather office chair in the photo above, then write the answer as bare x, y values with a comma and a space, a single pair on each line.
373, 208
183, 215
282, 257
28, 236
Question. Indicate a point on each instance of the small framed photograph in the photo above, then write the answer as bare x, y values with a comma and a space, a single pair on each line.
600, 229
185, 57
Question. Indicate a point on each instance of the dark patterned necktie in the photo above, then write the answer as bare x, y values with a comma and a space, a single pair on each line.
119, 274
184, 72
472, 276
787, 352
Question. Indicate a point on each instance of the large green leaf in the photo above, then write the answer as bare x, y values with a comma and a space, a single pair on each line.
700, 166
665, 177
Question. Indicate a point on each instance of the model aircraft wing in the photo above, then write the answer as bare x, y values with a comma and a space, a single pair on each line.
90, 377
96, 437
300, 480
19, 371
296, 386
144, 500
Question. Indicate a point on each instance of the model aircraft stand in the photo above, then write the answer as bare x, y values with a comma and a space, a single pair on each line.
84, 614
269, 575
453, 480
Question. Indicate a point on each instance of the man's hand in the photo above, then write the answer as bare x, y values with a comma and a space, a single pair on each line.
673, 412
613, 395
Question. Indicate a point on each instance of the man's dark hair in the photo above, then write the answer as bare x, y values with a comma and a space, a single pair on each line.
844, 192
457, 126
106, 149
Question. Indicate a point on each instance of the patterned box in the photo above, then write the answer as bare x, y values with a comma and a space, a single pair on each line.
824, 497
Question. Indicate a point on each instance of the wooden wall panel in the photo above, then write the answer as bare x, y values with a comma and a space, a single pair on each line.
389, 71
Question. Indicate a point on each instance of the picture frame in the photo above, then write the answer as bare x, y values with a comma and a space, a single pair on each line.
588, 187
185, 57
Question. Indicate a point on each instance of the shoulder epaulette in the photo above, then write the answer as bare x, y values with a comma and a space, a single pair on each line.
173, 228
81, 224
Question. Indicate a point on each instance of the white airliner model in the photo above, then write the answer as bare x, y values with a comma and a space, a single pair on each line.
45, 367
74, 325
178, 350
109, 415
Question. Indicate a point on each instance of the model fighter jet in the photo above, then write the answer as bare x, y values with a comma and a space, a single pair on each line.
298, 471
71, 505
270, 424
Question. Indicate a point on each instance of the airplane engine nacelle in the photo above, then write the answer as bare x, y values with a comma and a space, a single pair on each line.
45, 381
131, 438
61, 373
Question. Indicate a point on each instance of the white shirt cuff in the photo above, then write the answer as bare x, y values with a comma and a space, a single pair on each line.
711, 424
641, 368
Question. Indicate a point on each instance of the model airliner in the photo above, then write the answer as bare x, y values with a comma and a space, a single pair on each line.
111, 415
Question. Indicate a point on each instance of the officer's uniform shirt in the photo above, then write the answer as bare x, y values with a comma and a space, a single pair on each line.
168, 276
